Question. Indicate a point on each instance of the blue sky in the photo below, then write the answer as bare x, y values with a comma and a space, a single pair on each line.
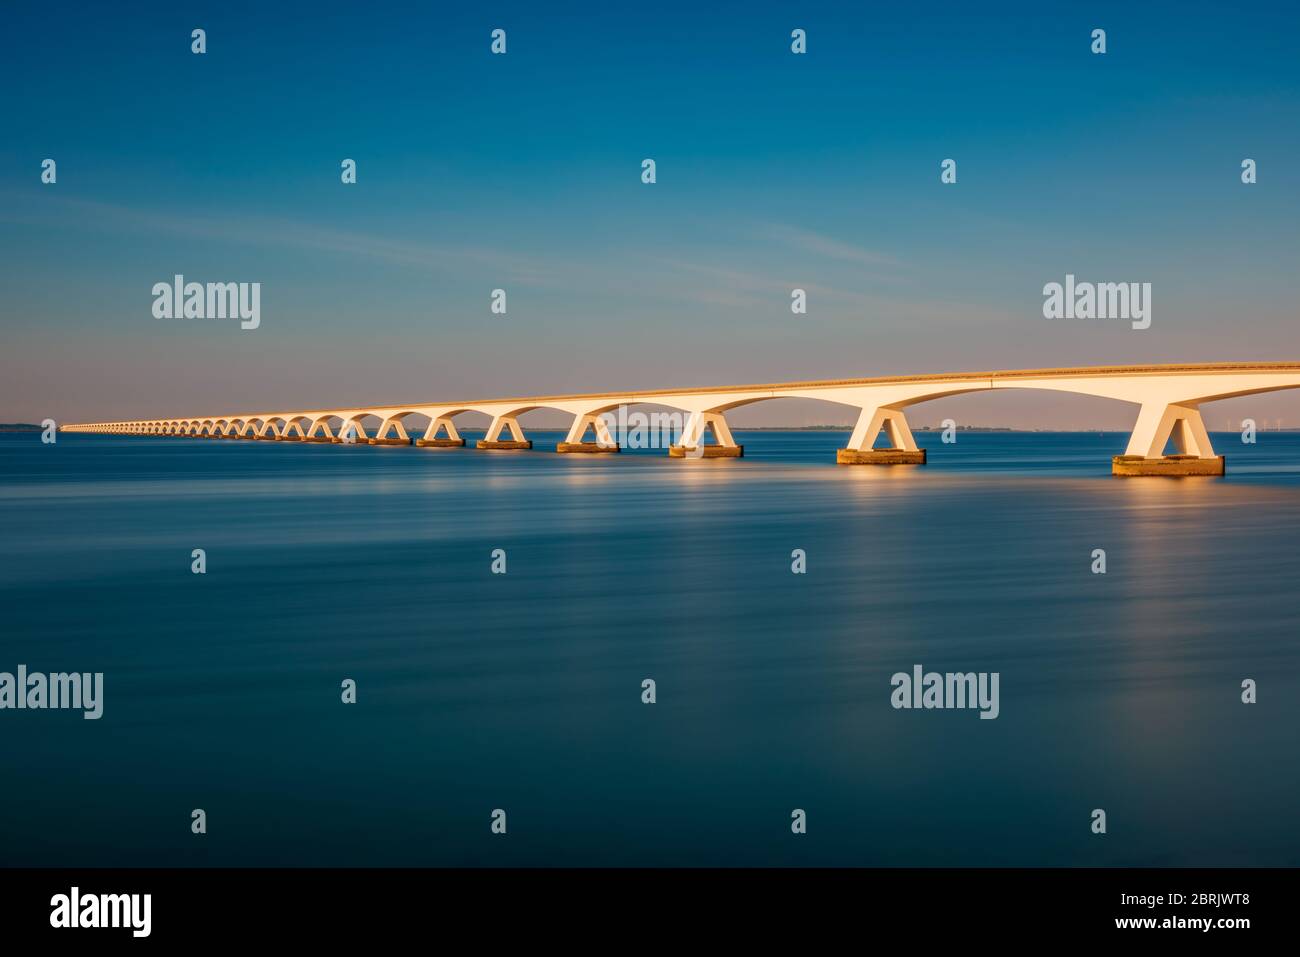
523, 172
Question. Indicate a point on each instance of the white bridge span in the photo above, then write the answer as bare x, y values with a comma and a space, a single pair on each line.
1168, 397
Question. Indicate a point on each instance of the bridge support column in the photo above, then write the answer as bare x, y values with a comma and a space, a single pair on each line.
575, 440
326, 436
381, 435
352, 432
431, 440
692, 442
902, 450
1157, 423
493, 438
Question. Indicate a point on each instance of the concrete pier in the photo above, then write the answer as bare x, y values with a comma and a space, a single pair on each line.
440, 443
587, 447
707, 452
1167, 465
499, 445
880, 456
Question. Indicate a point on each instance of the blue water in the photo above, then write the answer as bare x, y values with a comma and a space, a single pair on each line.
523, 691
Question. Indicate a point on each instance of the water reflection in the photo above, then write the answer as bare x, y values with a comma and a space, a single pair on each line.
1118, 690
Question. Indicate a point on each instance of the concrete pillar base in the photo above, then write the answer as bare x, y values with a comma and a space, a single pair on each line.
706, 452
590, 447
485, 444
1167, 465
387, 441
880, 456
440, 443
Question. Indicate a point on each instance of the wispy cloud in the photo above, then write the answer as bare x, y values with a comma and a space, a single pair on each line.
727, 285
242, 229
829, 247
786, 258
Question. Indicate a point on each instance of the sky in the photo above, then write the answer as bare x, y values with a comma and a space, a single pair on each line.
522, 172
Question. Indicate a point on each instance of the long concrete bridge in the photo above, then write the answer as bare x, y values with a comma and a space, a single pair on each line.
1168, 397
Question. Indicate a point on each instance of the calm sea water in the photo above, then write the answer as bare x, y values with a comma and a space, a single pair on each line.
523, 691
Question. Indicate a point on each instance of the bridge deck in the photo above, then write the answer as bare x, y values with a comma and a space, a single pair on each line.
1134, 370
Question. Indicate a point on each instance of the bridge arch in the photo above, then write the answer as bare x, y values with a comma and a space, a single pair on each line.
293, 424
273, 425
321, 420
1169, 400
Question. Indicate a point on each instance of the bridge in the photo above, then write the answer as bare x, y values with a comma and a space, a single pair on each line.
1168, 397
